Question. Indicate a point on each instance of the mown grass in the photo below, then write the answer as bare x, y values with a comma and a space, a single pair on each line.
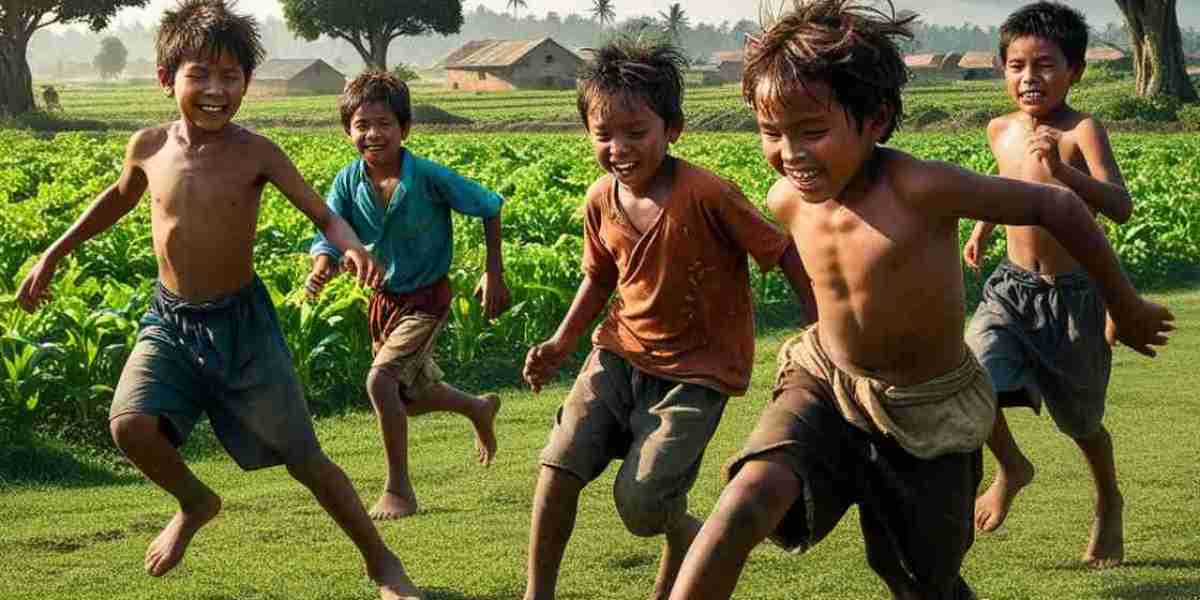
76, 527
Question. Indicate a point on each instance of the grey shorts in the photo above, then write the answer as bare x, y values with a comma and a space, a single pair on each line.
660, 428
225, 358
1045, 339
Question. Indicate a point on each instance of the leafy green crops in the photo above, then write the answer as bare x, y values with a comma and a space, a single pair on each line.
60, 365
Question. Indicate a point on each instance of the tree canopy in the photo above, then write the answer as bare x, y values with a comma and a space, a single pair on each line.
370, 26
110, 61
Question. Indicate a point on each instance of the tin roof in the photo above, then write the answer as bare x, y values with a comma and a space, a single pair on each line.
923, 60
494, 53
725, 56
286, 68
1104, 54
978, 59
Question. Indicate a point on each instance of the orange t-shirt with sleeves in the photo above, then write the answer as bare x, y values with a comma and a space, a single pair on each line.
683, 308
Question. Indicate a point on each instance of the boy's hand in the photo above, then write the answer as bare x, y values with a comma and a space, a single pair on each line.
34, 288
324, 269
1110, 329
542, 363
1043, 145
974, 251
493, 294
1144, 325
366, 268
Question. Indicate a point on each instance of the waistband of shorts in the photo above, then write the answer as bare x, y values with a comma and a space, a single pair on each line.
437, 294
1077, 278
168, 300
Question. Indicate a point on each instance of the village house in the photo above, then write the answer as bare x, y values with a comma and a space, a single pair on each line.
934, 66
298, 76
728, 66
979, 64
1108, 56
502, 65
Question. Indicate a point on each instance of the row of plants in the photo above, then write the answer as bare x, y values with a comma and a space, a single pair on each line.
61, 363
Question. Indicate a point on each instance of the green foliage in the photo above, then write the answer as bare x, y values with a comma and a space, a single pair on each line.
1130, 107
405, 72
371, 25
110, 61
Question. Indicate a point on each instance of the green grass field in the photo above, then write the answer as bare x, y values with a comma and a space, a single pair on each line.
75, 527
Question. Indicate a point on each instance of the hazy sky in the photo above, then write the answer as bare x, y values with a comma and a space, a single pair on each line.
944, 12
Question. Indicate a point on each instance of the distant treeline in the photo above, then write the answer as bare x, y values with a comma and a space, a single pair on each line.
67, 52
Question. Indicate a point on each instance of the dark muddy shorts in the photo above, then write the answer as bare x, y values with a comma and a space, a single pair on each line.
225, 358
916, 514
1045, 338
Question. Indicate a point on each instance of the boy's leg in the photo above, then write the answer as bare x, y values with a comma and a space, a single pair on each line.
140, 437
332, 489
481, 410
1013, 472
398, 499
555, 504
1106, 548
750, 508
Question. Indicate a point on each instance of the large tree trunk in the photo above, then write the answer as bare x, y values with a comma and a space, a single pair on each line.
1157, 49
16, 82
379, 50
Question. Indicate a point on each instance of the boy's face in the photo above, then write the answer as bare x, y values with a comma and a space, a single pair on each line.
631, 141
1037, 75
814, 143
208, 89
376, 132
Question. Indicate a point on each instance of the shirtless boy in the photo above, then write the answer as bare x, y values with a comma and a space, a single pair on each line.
210, 342
880, 404
671, 239
1039, 330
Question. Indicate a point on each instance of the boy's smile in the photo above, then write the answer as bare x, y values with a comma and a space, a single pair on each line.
208, 89
377, 133
813, 142
1037, 75
630, 141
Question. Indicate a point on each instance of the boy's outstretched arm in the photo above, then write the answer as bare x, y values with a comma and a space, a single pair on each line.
493, 291
113, 203
543, 359
942, 190
283, 175
1104, 188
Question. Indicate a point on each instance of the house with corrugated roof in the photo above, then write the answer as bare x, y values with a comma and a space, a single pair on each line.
934, 65
727, 68
979, 64
501, 65
1113, 58
298, 76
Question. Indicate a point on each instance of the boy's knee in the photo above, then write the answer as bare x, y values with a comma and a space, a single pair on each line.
383, 389
643, 508
746, 504
131, 429
313, 468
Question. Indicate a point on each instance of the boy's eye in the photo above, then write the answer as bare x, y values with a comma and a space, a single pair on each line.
814, 132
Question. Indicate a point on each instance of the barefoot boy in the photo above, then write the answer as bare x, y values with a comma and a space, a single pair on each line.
400, 203
1039, 330
881, 404
210, 342
671, 239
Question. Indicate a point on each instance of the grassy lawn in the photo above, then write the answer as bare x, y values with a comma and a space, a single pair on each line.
74, 528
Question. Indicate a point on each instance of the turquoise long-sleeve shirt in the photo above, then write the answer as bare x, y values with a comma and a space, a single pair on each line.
413, 236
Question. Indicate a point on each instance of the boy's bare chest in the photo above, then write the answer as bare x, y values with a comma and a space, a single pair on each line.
1012, 150
213, 186
383, 189
858, 245
640, 213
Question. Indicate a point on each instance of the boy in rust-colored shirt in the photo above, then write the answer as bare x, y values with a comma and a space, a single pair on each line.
671, 239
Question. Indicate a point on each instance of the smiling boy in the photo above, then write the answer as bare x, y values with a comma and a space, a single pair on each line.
210, 342
1040, 328
881, 403
671, 239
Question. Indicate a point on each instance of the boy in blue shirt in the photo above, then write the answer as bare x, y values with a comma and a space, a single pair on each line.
399, 205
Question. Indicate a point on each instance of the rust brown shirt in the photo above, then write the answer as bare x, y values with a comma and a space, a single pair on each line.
683, 309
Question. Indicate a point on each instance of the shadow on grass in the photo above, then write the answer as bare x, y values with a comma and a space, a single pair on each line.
447, 594
35, 463
1179, 589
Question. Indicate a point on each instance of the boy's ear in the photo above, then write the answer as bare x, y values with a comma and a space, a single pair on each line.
405, 128
878, 123
166, 80
674, 130
1077, 72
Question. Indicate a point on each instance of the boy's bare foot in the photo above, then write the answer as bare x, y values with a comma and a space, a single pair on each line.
394, 504
394, 583
167, 549
1106, 548
485, 429
991, 508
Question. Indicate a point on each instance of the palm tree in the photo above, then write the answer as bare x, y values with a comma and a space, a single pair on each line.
604, 11
675, 22
515, 4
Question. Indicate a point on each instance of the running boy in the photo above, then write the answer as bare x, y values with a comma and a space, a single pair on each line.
671, 239
1039, 330
400, 203
210, 342
881, 404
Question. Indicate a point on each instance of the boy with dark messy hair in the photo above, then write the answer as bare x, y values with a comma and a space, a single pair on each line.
210, 341
881, 403
1040, 328
400, 204
671, 239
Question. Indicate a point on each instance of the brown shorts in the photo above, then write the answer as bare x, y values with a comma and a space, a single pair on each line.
404, 328
916, 514
658, 426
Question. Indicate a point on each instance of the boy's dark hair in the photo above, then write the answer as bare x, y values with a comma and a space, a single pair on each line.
846, 45
375, 86
633, 67
207, 28
1051, 21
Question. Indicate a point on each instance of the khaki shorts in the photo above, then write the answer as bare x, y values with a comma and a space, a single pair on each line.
660, 428
404, 329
